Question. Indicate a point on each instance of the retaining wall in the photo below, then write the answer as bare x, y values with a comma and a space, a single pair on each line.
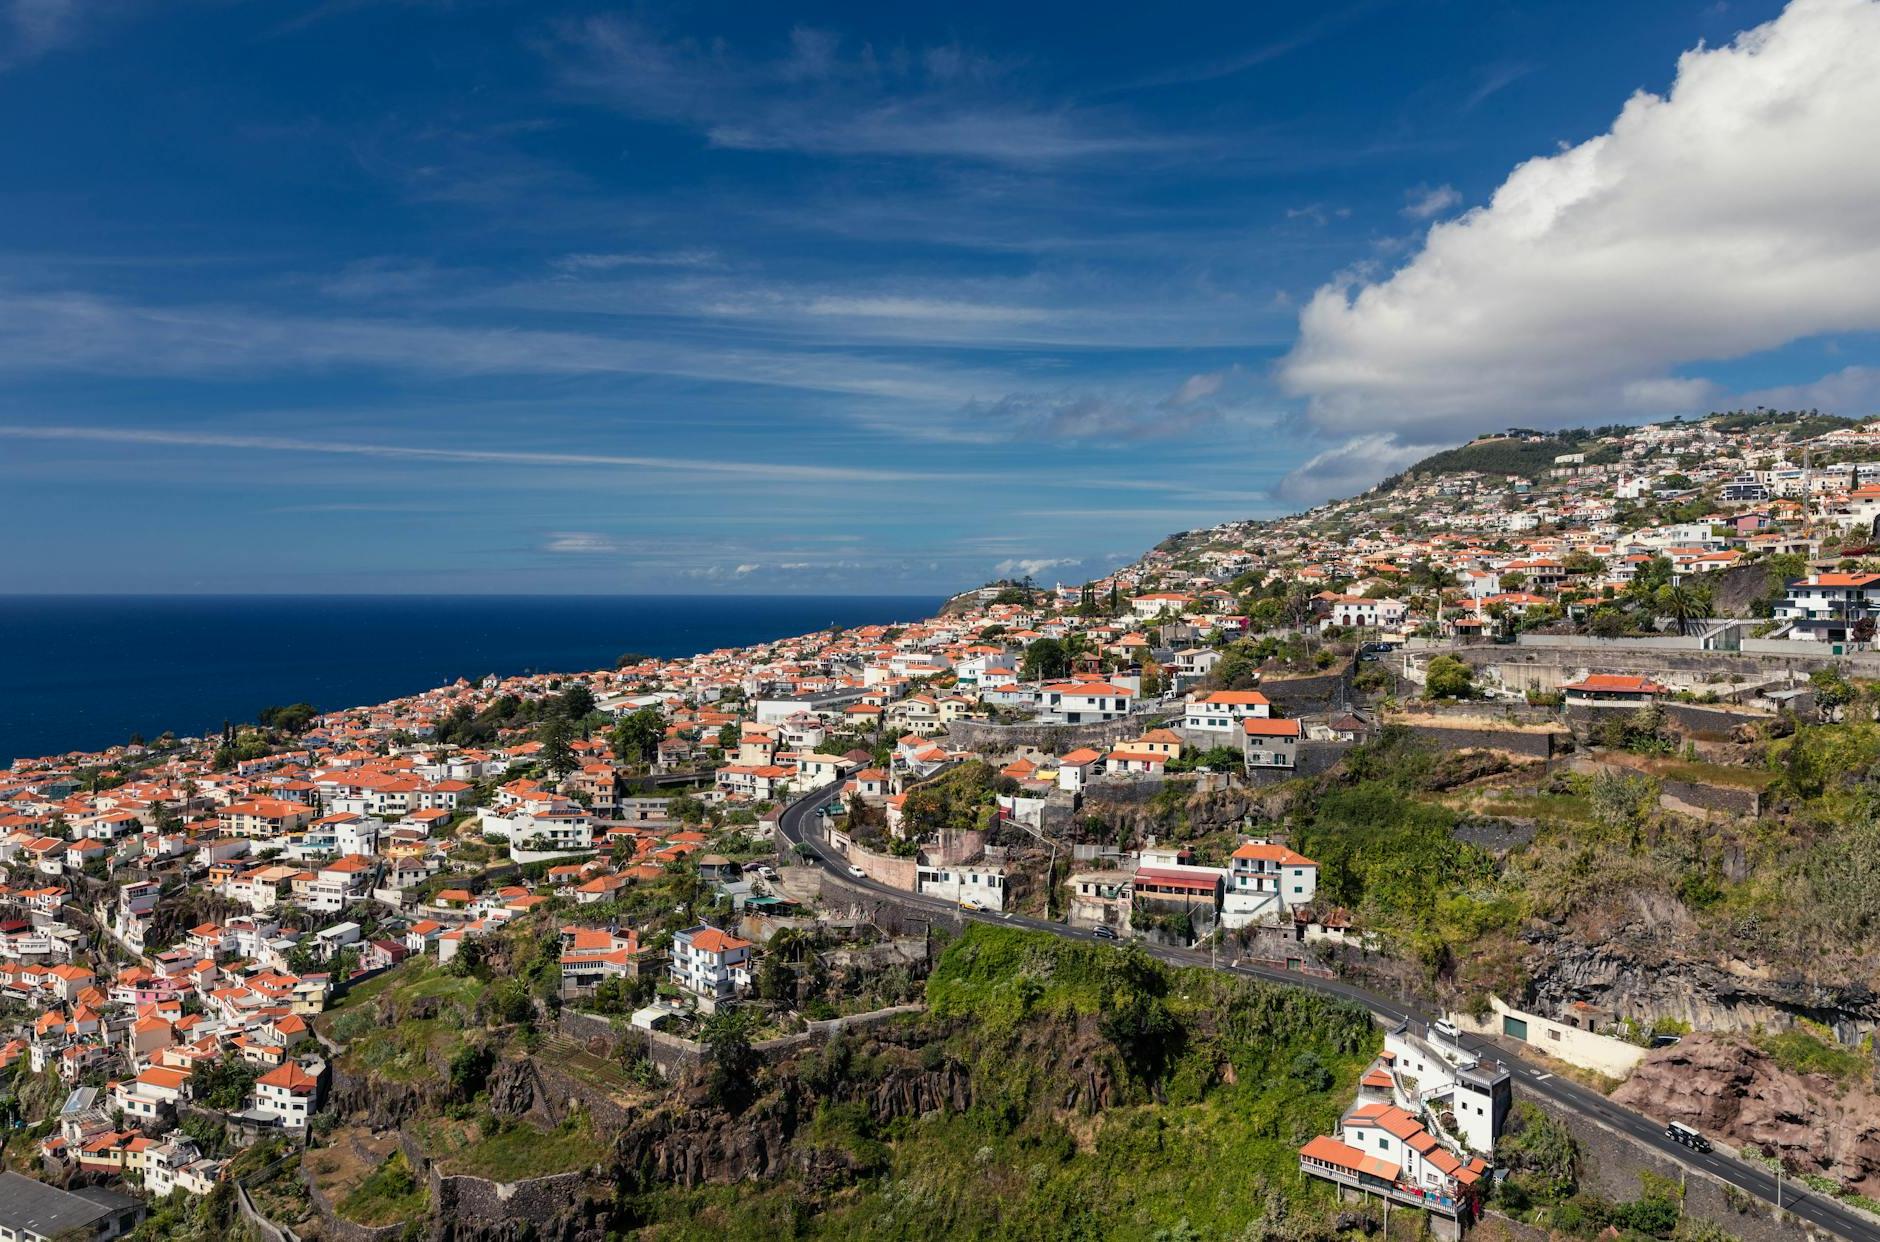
1696, 720
1689, 797
999, 739
1530, 743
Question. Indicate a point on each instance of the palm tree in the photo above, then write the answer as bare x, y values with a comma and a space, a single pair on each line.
1681, 604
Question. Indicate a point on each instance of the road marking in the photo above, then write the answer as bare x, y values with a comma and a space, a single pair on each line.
1542, 1077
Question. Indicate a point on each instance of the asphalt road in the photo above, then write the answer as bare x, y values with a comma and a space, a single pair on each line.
1565, 1094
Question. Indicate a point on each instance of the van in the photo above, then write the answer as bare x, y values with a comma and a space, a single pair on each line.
1678, 1132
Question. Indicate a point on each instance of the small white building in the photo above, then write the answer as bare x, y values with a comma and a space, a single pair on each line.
710, 963
981, 887
1220, 712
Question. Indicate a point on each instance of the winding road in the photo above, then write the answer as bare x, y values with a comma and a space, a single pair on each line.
800, 826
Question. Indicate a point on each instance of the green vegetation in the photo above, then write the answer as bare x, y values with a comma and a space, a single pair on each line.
1449, 678
1112, 1097
962, 798
390, 1195
1515, 454
1806, 1049
517, 1150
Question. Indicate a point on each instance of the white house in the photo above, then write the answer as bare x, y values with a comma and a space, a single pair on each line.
710, 963
1221, 712
1357, 611
286, 1095
1083, 702
1827, 607
979, 886
1266, 881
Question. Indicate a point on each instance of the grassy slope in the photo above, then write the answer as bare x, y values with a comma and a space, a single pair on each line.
1222, 1136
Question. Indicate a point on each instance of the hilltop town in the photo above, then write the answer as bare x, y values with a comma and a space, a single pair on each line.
1559, 740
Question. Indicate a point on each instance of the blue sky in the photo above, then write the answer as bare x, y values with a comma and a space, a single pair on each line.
383, 296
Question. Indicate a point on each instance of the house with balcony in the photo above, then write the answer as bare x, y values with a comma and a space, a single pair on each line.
1083, 702
1831, 608
1212, 719
1266, 882
285, 1096
712, 964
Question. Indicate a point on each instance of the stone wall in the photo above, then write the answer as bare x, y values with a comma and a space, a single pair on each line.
1311, 695
673, 1054
670, 1055
885, 869
1700, 721
1532, 743
1611, 1169
1548, 668
1689, 797
1000, 739
266, 1229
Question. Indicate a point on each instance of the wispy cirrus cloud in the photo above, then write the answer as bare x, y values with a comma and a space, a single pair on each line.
1426, 202
615, 260
818, 97
579, 543
30, 29
49, 332
508, 457
1032, 566
1093, 416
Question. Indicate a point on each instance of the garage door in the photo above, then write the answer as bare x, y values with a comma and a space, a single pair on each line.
1511, 1025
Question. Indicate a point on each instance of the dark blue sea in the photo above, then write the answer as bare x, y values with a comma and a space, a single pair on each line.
85, 672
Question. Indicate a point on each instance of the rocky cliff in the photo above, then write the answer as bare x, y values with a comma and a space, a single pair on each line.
1641, 956
1730, 1089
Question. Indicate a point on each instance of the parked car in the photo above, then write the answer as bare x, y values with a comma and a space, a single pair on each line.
1103, 933
972, 903
1678, 1132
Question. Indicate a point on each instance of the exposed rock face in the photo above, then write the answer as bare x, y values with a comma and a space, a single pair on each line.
383, 1105
512, 1088
696, 1143
1642, 961
1137, 808
1730, 1089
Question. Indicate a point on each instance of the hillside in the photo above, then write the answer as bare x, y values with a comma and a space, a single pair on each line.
1050, 1089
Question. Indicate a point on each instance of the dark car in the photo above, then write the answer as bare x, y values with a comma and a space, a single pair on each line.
1103, 933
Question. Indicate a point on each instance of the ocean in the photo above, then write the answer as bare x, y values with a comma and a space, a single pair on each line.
85, 672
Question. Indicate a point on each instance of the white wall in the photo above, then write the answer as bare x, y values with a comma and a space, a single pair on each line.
1603, 1054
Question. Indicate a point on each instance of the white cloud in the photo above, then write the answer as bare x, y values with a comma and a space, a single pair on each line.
1852, 391
579, 542
1349, 468
1427, 202
510, 457
1730, 216
1031, 567
943, 103
1101, 417
608, 262
31, 28
1198, 387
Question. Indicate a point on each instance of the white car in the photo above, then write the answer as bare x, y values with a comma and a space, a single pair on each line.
858, 873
